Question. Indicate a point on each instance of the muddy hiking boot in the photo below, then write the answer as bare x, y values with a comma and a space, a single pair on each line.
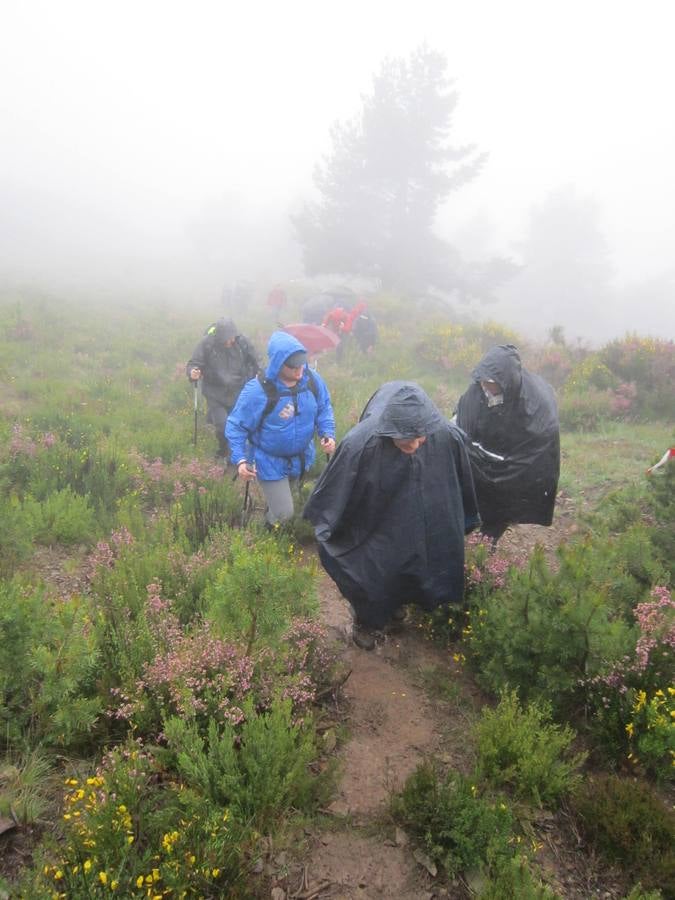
364, 637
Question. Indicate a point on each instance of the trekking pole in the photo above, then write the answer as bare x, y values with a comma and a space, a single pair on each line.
196, 388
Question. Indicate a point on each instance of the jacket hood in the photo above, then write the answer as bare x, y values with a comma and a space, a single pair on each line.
501, 364
281, 345
224, 330
403, 410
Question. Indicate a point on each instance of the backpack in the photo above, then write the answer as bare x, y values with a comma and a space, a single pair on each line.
272, 393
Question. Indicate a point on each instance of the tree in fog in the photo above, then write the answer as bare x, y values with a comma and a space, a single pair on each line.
380, 187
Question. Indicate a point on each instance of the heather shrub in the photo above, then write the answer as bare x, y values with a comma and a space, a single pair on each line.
649, 365
554, 362
454, 824
260, 589
630, 826
519, 747
633, 700
188, 673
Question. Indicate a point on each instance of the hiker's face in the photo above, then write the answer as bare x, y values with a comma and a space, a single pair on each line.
229, 342
291, 374
409, 445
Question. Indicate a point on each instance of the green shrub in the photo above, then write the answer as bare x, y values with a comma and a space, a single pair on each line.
628, 823
25, 786
128, 831
48, 669
258, 770
260, 590
62, 518
24, 622
520, 748
583, 410
514, 880
454, 825
661, 486
200, 512
15, 536
547, 631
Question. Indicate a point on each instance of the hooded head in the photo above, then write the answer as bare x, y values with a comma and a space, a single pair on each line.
404, 411
281, 346
225, 330
501, 365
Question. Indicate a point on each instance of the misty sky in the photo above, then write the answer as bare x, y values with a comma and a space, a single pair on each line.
150, 114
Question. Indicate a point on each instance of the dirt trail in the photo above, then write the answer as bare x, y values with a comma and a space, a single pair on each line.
393, 724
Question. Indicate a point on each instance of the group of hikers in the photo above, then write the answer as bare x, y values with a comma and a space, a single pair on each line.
405, 485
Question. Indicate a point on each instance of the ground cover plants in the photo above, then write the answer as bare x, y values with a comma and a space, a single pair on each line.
162, 694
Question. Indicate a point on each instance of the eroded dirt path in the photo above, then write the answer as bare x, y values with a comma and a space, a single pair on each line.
407, 700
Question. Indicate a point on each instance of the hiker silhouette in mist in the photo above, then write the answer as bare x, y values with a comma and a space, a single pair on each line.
272, 426
391, 509
510, 416
224, 360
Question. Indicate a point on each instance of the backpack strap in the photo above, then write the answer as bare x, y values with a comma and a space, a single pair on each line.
272, 393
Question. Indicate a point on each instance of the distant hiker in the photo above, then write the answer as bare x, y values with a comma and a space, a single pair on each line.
335, 319
276, 299
361, 324
271, 429
225, 360
511, 418
391, 510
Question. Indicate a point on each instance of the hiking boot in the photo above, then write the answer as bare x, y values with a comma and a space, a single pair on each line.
364, 637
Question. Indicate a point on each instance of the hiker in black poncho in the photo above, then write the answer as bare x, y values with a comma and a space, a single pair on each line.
511, 418
224, 360
392, 507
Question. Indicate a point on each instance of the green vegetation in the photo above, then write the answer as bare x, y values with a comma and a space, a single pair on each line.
162, 669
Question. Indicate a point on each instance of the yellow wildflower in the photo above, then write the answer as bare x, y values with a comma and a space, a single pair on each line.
102, 877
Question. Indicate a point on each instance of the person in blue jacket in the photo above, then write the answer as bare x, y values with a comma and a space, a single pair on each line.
272, 425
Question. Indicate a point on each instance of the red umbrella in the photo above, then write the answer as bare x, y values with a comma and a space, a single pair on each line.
315, 338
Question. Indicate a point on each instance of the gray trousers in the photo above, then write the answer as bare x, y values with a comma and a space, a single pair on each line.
279, 500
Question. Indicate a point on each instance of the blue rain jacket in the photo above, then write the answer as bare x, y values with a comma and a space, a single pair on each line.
280, 443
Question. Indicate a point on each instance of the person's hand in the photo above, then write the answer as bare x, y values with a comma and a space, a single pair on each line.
328, 445
246, 472
195, 373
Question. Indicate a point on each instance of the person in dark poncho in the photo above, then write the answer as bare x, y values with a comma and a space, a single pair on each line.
224, 360
391, 510
511, 418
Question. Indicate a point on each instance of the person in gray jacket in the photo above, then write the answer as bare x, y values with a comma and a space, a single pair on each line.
224, 360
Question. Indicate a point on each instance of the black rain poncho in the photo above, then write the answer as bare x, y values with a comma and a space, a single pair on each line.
524, 430
391, 525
